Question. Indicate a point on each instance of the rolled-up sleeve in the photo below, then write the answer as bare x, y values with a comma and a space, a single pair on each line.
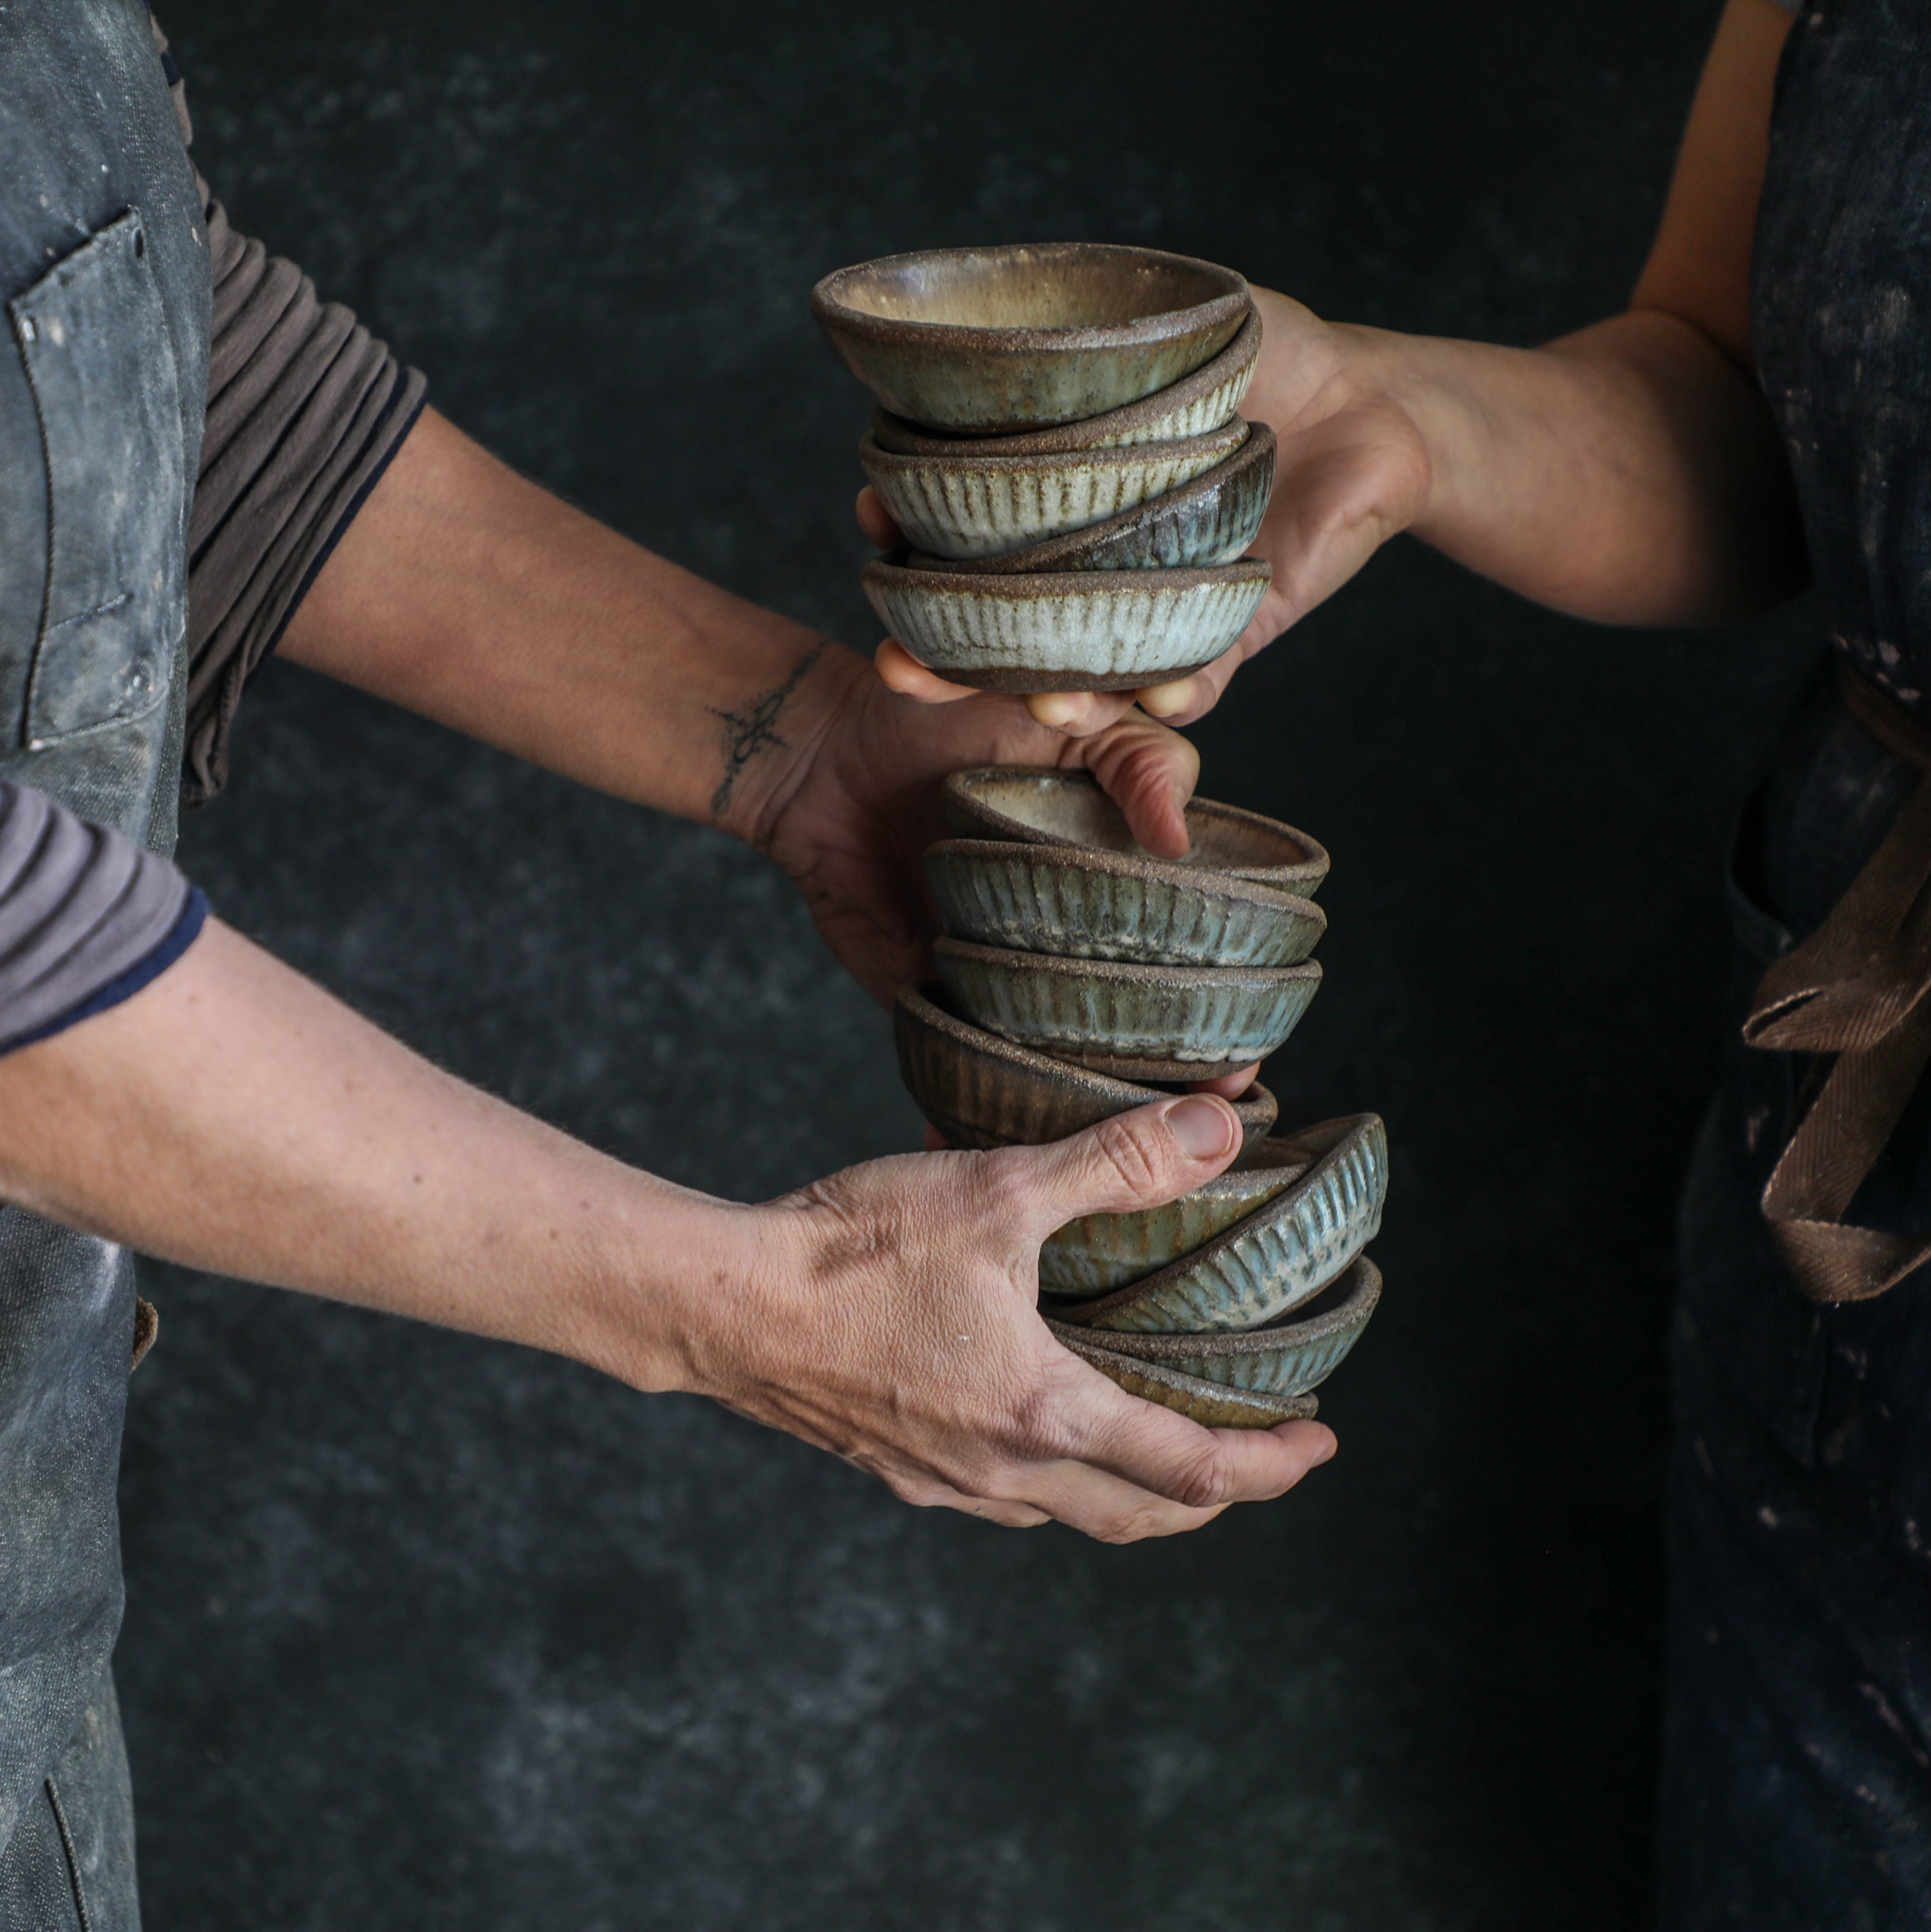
305, 409
87, 917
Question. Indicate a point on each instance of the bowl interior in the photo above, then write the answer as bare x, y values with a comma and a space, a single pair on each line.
1065, 286
1069, 807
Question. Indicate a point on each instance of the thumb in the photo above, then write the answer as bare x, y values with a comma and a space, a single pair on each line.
1138, 1160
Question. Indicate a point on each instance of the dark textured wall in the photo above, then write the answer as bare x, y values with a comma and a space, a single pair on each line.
426, 1632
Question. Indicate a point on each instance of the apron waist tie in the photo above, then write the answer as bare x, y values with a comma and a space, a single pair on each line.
1859, 987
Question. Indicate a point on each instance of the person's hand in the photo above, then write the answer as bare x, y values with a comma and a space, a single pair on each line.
850, 821
1353, 470
889, 1316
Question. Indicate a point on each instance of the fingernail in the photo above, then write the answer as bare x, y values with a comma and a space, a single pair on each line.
1054, 708
1203, 1129
1163, 701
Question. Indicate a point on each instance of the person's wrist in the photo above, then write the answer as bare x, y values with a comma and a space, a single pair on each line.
1384, 369
826, 695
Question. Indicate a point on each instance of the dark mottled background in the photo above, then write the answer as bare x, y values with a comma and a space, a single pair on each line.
425, 1632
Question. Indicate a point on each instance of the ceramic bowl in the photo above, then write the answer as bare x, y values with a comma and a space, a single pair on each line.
1285, 1251
1077, 630
1214, 1405
1021, 337
1212, 519
965, 505
1192, 406
980, 1091
1040, 805
1285, 1358
1099, 1253
1135, 1022
1112, 905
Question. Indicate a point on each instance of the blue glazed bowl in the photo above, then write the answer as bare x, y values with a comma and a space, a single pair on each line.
1136, 1022
1284, 1357
1282, 1254
1112, 905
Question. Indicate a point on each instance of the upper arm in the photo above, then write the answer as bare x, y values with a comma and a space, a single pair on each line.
1699, 266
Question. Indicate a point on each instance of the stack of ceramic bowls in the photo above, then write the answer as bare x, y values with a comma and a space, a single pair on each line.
1058, 440
1080, 977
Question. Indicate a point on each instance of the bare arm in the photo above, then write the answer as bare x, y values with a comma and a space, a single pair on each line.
1630, 473
233, 1117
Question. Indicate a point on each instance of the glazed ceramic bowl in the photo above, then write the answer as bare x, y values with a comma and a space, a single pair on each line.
1040, 805
1285, 1358
1079, 630
1211, 519
1135, 1022
1021, 337
963, 505
1113, 905
1192, 406
1214, 1405
1099, 1253
980, 1091
1284, 1252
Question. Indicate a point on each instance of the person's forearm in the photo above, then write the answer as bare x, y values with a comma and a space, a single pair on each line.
233, 1116
466, 592
1630, 473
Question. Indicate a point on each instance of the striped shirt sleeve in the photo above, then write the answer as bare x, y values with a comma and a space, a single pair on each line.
87, 917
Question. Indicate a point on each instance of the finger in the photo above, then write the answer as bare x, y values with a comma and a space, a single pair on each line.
1079, 714
926, 1492
1102, 1505
903, 673
1138, 1159
1228, 1086
875, 520
1150, 772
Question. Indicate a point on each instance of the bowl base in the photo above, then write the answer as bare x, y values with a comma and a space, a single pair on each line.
1017, 683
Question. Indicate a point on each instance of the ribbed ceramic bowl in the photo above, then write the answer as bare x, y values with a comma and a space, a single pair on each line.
1211, 519
1285, 1251
1135, 1022
1192, 406
980, 1091
1022, 337
1112, 905
1286, 1358
1040, 805
964, 505
1099, 1253
1077, 630
1214, 1405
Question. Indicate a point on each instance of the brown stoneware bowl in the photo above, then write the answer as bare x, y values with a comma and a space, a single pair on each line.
1286, 1357
1192, 406
1211, 519
1213, 1404
1038, 805
980, 1091
1112, 905
988, 340
1135, 1022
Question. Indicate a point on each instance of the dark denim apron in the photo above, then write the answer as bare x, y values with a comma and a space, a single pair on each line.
104, 370
1797, 1776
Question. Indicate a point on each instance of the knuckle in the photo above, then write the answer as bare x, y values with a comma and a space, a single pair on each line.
1207, 1481
1131, 1149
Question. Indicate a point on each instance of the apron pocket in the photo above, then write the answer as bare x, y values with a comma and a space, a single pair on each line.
93, 336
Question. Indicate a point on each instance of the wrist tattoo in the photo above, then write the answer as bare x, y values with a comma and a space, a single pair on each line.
750, 728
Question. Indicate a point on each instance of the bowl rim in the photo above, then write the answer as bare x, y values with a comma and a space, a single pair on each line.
830, 310
1054, 553
888, 574
922, 1003
1124, 972
1338, 1133
1087, 432
1132, 865
1262, 1406
956, 789
1235, 433
1360, 1281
